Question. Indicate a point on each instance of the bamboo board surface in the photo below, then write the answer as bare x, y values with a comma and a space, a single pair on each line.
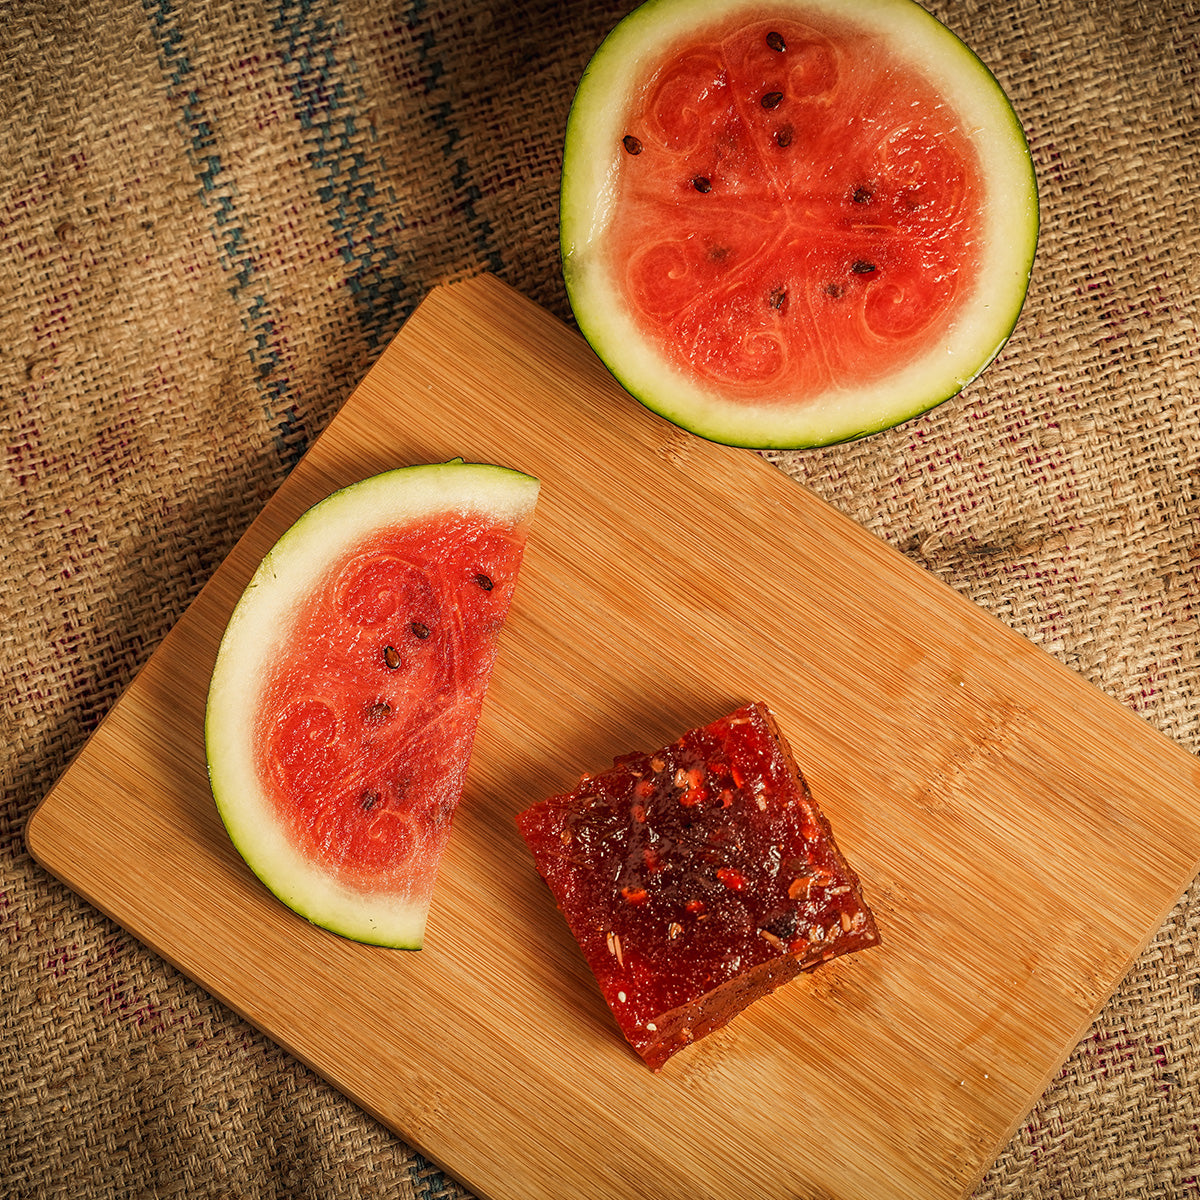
1020, 835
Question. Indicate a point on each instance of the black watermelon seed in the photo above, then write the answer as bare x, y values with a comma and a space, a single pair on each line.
419, 630
701, 184
862, 267
391, 657
862, 195
776, 42
484, 582
771, 100
783, 136
631, 144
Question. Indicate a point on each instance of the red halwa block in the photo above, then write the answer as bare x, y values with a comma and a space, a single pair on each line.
697, 879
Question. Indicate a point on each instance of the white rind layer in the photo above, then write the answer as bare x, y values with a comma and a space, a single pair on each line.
1008, 234
286, 576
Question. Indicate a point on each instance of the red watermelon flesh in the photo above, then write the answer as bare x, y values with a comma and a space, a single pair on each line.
369, 710
795, 216
697, 879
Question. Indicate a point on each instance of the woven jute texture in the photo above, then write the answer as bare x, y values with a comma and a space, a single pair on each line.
212, 219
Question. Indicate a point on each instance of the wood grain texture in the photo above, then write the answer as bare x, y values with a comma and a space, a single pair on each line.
1020, 835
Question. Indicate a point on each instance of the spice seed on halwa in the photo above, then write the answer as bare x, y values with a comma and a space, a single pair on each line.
800, 885
614, 948
775, 941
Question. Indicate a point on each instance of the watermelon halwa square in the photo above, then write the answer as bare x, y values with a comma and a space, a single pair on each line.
697, 879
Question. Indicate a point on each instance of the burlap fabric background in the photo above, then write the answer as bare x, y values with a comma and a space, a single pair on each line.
213, 217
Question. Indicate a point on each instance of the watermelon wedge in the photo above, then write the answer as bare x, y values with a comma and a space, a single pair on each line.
792, 223
344, 701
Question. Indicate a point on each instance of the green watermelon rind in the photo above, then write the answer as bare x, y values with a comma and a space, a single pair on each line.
284, 578
980, 331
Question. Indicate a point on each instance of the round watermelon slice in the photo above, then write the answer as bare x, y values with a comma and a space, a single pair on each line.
346, 692
795, 222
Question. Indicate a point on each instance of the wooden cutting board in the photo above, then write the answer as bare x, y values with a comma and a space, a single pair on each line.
1020, 835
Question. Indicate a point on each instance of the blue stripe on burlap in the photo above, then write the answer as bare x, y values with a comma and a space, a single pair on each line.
350, 174
441, 115
218, 192
351, 179
427, 1181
